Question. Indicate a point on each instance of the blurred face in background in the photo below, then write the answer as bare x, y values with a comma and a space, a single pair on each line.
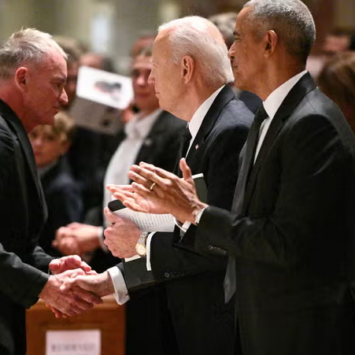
47, 145
72, 79
144, 94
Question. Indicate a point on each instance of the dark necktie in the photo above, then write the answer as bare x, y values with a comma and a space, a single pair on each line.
184, 146
185, 142
244, 173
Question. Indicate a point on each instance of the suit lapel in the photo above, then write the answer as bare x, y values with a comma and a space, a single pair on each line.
225, 96
297, 93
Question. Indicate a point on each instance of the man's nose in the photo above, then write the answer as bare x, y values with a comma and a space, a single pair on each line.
63, 98
142, 80
36, 142
231, 52
151, 78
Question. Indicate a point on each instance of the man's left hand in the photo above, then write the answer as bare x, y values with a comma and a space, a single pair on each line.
122, 236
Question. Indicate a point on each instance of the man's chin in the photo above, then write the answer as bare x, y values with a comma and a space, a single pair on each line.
46, 121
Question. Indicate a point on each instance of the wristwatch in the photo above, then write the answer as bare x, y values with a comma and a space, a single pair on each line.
141, 247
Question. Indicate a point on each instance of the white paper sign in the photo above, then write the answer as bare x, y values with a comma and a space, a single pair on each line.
73, 342
105, 88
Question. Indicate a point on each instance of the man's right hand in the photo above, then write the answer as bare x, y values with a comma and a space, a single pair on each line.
68, 301
100, 284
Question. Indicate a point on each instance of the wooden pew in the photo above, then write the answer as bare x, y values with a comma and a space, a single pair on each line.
108, 318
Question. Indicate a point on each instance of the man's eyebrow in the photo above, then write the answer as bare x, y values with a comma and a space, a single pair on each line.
60, 80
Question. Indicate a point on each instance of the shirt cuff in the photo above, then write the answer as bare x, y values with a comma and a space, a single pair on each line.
119, 284
147, 246
184, 227
199, 215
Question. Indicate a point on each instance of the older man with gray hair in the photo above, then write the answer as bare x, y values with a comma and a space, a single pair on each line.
33, 72
191, 72
291, 234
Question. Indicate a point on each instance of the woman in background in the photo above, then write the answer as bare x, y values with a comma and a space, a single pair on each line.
337, 81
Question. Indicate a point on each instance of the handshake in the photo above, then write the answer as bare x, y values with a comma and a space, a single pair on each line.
73, 287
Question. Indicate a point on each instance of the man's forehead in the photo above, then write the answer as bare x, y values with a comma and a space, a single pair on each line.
243, 14
161, 44
142, 62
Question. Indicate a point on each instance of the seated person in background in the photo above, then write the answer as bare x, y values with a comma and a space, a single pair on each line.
61, 192
337, 81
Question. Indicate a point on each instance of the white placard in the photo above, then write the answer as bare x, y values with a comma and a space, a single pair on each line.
105, 88
73, 342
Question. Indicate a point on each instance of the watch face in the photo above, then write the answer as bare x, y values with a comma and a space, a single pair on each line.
140, 249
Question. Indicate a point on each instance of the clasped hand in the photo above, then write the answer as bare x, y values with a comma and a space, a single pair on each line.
67, 292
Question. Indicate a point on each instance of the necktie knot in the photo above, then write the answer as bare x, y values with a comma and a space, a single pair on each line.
260, 116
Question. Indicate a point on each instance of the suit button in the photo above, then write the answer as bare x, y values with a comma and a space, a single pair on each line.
167, 275
210, 247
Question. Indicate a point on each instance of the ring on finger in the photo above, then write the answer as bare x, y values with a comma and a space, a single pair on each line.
152, 186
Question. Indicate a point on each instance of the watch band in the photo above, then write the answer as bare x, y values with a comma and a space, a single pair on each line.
141, 248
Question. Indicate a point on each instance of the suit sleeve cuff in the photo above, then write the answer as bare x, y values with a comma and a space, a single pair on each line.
119, 284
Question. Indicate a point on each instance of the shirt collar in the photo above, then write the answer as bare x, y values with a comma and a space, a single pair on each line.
196, 121
275, 99
141, 126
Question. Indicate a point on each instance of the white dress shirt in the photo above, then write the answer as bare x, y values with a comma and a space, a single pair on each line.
273, 103
121, 293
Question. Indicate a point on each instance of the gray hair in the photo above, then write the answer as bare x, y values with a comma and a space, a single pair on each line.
25, 46
188, 36
290, 19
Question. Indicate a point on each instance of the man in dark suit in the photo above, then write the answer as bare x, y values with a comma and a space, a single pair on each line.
151, 135
32, 74
218, 126
290, 236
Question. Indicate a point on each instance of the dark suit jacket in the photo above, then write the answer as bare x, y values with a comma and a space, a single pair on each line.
64, 203
22, 211
294, 241
202, 322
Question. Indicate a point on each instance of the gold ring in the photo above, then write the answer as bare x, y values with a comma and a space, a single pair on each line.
152, 186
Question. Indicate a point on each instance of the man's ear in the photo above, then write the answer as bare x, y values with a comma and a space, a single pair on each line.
21, 77
271, 41
187, 68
